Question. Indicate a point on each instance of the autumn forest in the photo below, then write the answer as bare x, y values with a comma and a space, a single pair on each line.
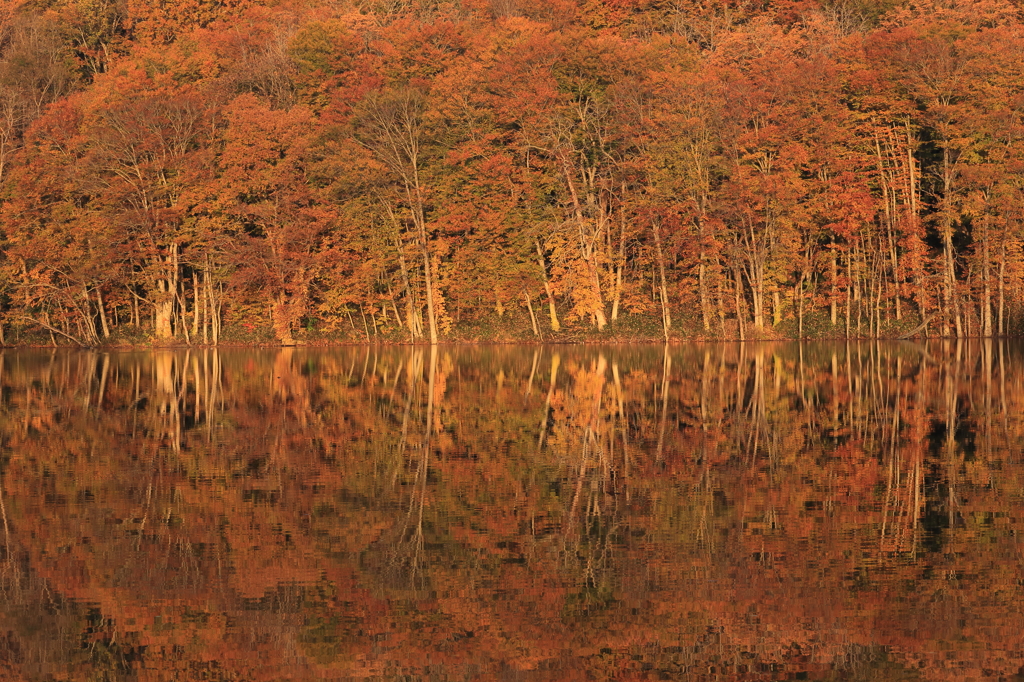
284, 171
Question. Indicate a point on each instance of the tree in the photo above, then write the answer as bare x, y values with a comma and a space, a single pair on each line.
276, 219
390, 124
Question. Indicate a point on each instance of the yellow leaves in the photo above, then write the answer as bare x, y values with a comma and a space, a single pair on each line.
324, 48
444, 319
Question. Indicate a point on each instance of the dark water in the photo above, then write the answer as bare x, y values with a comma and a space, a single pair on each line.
719, 512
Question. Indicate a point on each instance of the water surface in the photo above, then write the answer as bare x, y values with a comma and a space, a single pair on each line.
719, 512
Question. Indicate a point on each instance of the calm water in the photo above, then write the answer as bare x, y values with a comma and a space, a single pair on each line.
719, 512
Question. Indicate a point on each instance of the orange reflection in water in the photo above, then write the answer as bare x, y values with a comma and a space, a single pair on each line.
743, 512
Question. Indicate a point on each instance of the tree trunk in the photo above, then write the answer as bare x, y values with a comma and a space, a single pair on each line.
666, 318
533, 317
702, 285
986, 298
281, 318
720, 303
755, 277
833, 306
598, 300
89, 331
949, 257
620, 261
394, 306
179, 315
103, 313
366, 328
410, 299
203, 300
196, 305
1002, 279
213, 311
878, 304
738, 281
164, 309
587, 249
555, 325
858, 284
798, 291
849, 294
428, 284
167, 291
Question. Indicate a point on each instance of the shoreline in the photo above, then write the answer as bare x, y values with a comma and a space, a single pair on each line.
237, 345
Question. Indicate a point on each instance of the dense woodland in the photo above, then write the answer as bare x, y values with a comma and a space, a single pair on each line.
718, 512
202, 171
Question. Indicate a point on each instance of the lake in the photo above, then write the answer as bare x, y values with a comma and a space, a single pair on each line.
706, 512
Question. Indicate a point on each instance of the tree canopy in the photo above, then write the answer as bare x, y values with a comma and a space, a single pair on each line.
509, 169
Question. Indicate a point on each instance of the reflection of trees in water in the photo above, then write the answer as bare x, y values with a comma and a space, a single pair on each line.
765, 493
584, 439
398, 556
